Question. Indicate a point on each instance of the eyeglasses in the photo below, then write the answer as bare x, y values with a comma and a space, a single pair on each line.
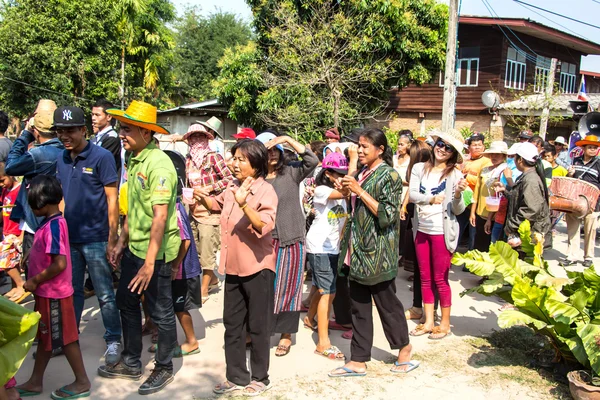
445, 146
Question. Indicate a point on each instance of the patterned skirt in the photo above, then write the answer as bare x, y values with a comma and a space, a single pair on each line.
289, 272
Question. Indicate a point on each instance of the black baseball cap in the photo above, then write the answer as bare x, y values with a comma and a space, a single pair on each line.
68, 116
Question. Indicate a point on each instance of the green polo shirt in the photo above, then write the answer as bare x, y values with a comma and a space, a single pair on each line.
151, 180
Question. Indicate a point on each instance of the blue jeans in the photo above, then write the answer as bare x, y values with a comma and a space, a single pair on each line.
93, 255
497, 232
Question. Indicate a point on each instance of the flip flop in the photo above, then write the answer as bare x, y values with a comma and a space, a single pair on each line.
286, 350
19, 299
411, 365
71, 395
348, 373
214, 286
347, 335
309, 326
178, 352
437, 332
334, 326
420, 331
27, 393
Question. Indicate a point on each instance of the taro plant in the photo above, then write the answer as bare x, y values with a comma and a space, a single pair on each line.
566, 310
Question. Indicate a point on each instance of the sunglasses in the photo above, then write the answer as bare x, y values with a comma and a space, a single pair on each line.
445, 146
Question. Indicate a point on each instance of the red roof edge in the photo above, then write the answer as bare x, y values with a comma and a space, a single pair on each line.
590, 73
521, 22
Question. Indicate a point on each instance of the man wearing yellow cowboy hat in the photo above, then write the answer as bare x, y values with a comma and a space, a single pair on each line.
586, 168
149, 242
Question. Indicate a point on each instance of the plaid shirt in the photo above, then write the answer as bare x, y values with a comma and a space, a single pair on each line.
213, 172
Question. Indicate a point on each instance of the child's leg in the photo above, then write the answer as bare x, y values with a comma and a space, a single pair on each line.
312, 308
35, 382
75, 359
323, 310
185, 319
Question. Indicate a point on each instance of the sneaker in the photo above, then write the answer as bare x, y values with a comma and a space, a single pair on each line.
112, 354
158, 379
568, 263
119, 370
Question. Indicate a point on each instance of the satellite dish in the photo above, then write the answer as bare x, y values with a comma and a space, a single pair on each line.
490, 99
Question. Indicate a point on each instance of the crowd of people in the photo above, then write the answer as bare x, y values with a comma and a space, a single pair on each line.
350, 210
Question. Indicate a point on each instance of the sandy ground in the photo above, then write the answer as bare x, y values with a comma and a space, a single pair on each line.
445, 370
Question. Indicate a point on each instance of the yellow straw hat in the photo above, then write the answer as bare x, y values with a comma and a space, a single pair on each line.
139, 114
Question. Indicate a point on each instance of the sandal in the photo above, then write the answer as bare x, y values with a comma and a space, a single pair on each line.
285, 349
179, 352
214, 286
412, 313
332, 353
420, 330
257, 388
309, 324
347, 335
69, 394
347, 372
226, 387
411, 366
334, 326
435, 332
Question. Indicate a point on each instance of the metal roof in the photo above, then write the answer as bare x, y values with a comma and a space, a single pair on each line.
535, 29
534, 103
193, 106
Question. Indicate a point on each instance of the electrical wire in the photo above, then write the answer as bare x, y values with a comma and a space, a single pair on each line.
47, 90
556, 23
517, 48
557, 14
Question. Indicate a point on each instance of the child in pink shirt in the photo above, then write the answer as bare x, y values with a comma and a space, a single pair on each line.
50, 282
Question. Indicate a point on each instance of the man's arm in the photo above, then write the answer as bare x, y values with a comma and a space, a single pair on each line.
19, 161
112, 198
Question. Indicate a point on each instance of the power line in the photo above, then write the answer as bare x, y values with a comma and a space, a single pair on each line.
557, 14
47, 90
556, 23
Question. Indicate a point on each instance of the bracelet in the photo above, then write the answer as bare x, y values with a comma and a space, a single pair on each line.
361, 193
244, 206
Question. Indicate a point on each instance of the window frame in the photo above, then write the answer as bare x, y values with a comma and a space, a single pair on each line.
458, 72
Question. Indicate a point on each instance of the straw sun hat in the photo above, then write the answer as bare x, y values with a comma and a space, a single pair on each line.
139, 114
453, 137
497, 147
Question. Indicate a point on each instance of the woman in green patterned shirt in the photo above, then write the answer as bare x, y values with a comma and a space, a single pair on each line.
369, 255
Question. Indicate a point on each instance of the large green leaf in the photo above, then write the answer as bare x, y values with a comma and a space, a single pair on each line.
493, 285
577, 348
506, 261
509, 318
476, 262
590, 336
530, 298
544, 279
525, 234
591, 278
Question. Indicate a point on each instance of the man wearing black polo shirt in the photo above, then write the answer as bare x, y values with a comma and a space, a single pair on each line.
89, 179
104, 134
586, 168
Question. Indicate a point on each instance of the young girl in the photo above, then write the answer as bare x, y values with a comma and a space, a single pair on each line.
50, 282
323, 248
10, 248
528, 198
436, 189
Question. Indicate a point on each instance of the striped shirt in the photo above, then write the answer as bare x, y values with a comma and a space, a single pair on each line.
213, 172
589, 172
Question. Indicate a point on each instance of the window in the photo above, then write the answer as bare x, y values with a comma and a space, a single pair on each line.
542, 69
516, 68
467, 67
568, 77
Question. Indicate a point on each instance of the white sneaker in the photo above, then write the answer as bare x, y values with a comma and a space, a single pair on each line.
112, 354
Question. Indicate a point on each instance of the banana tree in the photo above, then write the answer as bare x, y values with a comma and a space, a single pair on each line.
566, 310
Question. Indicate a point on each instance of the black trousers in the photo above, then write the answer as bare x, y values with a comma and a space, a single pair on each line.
160, 306
341, 302
286, 322
26, 246
482, 239
390, 311
248, 308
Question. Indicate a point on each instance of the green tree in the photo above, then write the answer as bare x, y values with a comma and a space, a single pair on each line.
200, 44
70, 51
331, 63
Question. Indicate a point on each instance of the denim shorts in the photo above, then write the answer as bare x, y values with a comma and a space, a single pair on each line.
324, 269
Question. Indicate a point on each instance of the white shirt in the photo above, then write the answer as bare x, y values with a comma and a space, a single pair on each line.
330, 216
431, 216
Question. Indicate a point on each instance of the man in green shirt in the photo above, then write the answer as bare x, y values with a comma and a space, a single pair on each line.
149, 242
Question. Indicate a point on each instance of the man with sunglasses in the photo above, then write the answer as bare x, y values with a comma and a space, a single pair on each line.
475, 162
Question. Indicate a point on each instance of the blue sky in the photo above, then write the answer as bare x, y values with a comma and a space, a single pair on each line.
582, 10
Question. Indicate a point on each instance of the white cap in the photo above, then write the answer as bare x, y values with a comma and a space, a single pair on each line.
528, 151
513, 149
560, 140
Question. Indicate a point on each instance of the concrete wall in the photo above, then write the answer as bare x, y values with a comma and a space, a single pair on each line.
179, 124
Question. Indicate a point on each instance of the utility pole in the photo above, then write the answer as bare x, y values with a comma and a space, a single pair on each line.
449, 105
547, 96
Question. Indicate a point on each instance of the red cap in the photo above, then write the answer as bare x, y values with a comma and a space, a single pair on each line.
245, 133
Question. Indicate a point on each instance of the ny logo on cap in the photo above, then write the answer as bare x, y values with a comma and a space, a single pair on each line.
67, 115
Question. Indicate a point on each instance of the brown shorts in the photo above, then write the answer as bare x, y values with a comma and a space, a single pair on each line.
57, 327
208, 242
